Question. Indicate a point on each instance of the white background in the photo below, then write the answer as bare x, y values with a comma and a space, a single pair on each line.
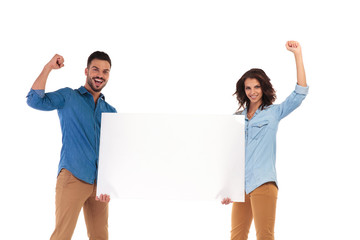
186, 57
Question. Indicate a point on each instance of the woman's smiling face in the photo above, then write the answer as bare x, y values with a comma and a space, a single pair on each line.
253, 91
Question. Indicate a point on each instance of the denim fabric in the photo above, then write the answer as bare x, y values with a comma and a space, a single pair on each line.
260, 139
80, 121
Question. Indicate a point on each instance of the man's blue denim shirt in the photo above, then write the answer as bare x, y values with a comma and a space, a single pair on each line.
80, 121
260, 139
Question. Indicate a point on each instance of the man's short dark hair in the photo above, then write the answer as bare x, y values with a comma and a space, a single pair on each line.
98, 55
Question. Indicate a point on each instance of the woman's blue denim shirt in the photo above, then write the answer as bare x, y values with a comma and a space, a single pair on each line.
260, 139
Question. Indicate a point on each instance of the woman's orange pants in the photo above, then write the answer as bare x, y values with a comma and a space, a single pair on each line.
259, 205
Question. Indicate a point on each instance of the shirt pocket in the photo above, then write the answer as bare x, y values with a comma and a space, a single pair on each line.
258, 129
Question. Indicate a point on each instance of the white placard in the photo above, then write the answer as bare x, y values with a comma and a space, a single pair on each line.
172, 156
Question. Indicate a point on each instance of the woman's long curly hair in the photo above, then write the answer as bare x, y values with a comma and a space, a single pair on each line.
267, 89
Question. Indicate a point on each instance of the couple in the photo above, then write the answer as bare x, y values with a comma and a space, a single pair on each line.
80, 115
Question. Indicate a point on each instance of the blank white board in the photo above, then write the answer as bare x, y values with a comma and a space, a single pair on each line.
172, 156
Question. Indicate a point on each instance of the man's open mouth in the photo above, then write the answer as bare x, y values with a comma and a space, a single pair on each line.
98, 81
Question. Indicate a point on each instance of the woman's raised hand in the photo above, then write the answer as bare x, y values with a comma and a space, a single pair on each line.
293, 46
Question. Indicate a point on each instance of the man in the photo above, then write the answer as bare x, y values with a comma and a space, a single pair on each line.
80, 115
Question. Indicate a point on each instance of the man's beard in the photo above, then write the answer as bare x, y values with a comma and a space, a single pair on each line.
90, 82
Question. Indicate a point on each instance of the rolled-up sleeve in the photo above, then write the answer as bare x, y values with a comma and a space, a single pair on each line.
40, 100
293, 101
302, 90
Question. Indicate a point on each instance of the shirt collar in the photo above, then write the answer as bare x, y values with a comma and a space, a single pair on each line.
256, 113
82, 90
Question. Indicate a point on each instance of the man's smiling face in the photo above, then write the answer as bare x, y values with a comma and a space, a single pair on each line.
97, 75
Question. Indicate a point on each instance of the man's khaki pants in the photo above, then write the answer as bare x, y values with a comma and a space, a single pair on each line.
259, 205
71, 195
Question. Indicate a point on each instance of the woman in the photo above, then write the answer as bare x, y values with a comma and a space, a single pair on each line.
256, 96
